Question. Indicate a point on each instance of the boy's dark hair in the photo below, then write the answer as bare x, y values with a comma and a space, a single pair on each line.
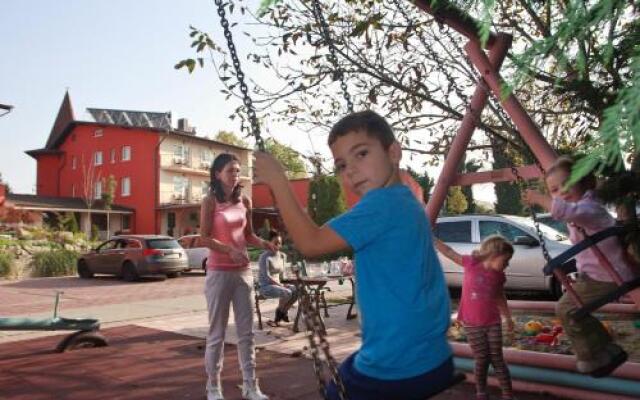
566, 163
273, 234
373, 124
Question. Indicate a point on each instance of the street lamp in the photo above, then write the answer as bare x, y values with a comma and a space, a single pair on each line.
6, 108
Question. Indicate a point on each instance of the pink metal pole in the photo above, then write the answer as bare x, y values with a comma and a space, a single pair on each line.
463, 136
527, 128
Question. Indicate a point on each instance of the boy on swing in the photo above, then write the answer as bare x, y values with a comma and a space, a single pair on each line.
404, 302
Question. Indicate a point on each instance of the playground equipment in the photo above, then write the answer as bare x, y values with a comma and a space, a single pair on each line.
556, 374
87, 335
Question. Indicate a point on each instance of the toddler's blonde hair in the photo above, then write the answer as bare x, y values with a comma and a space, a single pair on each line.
494, 245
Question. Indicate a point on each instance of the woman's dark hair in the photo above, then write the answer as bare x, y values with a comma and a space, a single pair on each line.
216, 186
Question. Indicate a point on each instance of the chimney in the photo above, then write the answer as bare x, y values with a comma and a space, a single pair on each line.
183, 125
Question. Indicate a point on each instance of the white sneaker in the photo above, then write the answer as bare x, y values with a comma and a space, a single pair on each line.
251, 391
214, 392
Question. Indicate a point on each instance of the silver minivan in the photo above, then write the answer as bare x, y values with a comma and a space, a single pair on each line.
133, 256
465, 232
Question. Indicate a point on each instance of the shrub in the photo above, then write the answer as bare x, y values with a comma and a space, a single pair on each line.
54, 263
6, 265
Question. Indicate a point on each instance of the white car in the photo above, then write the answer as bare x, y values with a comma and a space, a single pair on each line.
465, 232
196, 254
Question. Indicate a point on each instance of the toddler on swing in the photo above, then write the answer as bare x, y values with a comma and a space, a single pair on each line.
577, 205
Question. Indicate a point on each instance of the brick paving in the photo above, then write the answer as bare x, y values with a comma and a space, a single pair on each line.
142, 363
37, 295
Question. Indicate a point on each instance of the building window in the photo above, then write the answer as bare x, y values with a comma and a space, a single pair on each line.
74, 162
98, 133
126, 153
98, 190
112, 156
126, 222
125, 186
97, 158
206, 157
73, 190
180, 154
180, 187
204, 187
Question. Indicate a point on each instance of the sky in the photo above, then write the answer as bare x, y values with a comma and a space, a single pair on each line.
114, 54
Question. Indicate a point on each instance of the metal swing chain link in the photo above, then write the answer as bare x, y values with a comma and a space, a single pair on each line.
314, 329
246, 99
338, 71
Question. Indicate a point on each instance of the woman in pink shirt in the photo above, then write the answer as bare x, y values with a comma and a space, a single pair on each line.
482, 304
595, 353
225, 219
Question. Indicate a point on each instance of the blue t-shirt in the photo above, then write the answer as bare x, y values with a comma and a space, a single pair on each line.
401, 291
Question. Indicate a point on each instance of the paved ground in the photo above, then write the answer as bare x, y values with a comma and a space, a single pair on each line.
143, 363
156, 328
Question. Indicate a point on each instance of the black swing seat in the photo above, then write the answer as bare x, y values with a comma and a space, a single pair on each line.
565, 262
458, 377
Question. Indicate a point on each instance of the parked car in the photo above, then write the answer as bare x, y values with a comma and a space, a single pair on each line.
133, 256
465, 232
561, 226
196, 254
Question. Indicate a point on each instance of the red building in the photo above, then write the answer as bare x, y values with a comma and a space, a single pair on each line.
159, 172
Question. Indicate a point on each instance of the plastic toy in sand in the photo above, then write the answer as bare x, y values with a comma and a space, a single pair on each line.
532, 328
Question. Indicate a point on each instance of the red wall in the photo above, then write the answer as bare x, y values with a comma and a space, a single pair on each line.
141, 169
48, 174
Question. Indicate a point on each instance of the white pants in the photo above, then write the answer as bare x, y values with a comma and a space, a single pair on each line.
223, 288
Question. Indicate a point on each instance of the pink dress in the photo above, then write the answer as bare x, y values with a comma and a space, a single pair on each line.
591, 215
480, 290
229, 222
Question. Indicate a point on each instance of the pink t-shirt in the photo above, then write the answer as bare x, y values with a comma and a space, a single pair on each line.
229, 221
591, 215
480, 290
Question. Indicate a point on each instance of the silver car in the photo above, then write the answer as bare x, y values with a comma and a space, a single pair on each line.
465, 232
133, 256
196, 254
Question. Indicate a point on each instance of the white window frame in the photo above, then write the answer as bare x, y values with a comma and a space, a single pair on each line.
180, 186
97, 158
125, 186
113, 156
98, 190
126, 153
98, 133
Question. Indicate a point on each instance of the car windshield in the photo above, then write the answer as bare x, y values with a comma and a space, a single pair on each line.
547, 231
163, 244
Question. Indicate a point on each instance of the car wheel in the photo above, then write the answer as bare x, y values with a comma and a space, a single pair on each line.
129, 273
82, 340
173, 274
204, 266
83, 270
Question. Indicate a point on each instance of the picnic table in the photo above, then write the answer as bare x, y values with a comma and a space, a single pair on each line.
314, 286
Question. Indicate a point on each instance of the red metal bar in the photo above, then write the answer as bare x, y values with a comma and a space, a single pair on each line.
497, 175
527, 128
446, 13
606, 264
478, 101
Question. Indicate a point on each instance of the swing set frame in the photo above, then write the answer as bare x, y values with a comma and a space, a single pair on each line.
487, 63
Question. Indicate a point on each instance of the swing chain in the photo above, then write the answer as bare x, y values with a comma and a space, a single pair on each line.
338, 72
315, 330
522, 184
246, 99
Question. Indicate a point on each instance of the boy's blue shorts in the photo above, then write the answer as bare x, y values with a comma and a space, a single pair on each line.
362, 387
